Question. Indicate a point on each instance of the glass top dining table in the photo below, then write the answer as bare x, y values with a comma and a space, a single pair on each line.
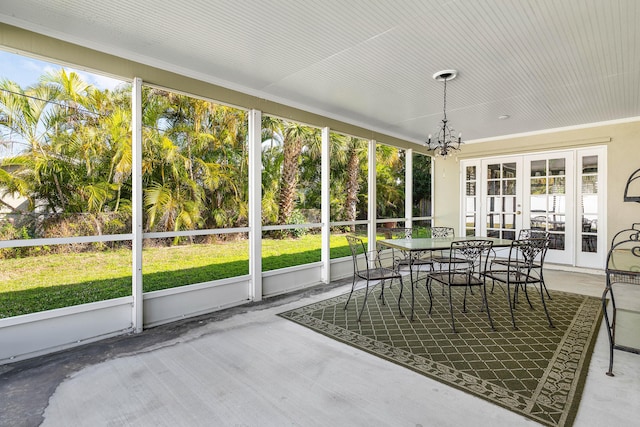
435, 244
423, 244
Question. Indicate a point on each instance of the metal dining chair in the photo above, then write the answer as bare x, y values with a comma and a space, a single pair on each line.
536, 267
469, 274
367, 265
518, 272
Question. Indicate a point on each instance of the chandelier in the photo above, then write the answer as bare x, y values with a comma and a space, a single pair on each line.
444, 144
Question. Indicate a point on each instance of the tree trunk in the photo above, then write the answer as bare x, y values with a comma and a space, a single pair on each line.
289, 179
353, 167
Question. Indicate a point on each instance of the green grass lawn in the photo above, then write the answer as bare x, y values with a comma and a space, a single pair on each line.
33, 284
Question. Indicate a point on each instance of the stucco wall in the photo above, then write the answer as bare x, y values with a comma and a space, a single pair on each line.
623, 158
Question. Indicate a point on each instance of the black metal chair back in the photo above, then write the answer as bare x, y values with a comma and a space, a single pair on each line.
441, 232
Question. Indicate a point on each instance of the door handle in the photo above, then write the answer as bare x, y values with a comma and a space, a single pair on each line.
518, 212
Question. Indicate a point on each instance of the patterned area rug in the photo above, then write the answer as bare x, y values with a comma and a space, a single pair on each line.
535, 371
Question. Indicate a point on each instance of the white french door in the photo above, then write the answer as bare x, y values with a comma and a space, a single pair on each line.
553, 191
548, 201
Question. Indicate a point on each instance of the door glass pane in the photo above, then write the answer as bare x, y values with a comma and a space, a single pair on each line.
539, 222
589, 243
509, 221
493, 188
471, 188
470, 204
590, 184
556, 167
493, 221
471, 173
509, 170
539, 168
556, 241
470, 221
556, 222
538, 185
509, 187
509, 204
557, 185
493, 171
511, 235
590, 164
557, 204
493, 204
538, 204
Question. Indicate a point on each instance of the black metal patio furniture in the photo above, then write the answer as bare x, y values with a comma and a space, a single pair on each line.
368, 266
623, 266
536, 267
467, 274
519, 273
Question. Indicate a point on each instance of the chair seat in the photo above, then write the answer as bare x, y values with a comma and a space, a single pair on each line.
417, 261
379, 273
510, 276
515, 263
456, 279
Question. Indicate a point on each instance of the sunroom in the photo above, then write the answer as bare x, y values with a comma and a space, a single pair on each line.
545, 95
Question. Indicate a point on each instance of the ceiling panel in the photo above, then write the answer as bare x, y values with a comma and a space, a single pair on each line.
545, 63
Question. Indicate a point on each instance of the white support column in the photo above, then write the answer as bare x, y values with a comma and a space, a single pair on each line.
371, 231
408, 188
325, 205
136, 202
255, 204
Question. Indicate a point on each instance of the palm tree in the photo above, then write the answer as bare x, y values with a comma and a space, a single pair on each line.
389, 182
347, 156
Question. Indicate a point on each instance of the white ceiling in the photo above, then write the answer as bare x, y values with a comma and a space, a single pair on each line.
545, 63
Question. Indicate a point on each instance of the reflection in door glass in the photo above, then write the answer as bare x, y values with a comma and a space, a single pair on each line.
539, 168
471, 173
493, 188
471, 189
509, 187
509, 221
547, 200
493, 171
557, 185
590, 184
556, 167
493, 204
509, 170
471, 203
509, 204
590, 164
589, 198
538, 185
556, 241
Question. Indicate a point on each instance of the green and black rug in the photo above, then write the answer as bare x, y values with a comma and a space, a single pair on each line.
535, 371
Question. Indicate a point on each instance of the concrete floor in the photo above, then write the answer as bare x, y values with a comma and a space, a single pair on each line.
248, 367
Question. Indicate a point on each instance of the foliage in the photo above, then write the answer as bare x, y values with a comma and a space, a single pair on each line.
28, 285
71, 160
